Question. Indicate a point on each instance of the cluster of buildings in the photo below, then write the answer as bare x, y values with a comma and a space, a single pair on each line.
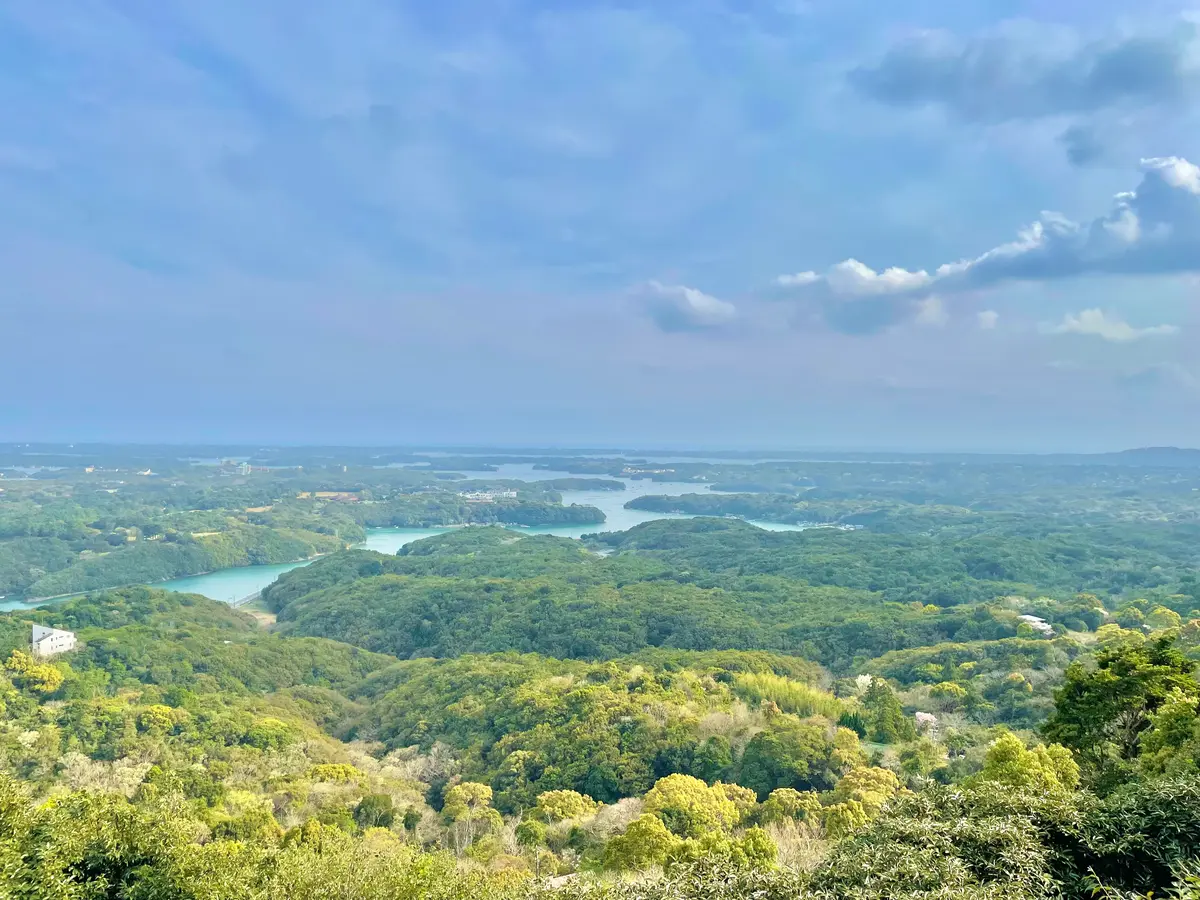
487, 496
336, 496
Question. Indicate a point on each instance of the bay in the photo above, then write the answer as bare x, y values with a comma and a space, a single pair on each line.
237, 584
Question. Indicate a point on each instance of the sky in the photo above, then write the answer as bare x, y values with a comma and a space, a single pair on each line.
917, 225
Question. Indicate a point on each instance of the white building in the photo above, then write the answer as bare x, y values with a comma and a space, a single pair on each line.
1038, 624
51, 641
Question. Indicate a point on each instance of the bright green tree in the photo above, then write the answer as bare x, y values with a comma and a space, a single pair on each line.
789, 803
689, 807
646, 842
555, 806
468, 807
1043, 769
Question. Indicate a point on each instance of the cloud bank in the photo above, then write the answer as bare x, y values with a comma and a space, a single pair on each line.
1153, 230
1001, 77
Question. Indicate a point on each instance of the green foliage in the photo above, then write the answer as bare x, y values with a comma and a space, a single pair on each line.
790, 753
31, 675
788, 803
789, 695
1102, 710
884, 716
689, 807
487, 590
184, 751
554, 806
645, 843
528, 725
375, 811
1042, 769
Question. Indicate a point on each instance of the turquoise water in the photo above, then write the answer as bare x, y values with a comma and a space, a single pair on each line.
232, 585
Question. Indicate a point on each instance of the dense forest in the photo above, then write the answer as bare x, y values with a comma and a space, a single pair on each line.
979, 696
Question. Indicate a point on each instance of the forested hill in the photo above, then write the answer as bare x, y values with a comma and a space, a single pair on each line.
495, 592
833, 596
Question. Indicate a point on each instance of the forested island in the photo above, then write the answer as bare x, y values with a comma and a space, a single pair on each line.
987, 691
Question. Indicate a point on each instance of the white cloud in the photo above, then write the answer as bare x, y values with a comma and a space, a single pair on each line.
800, 279
854, 278
1098, 323
1177, 172
676, 307
988, 319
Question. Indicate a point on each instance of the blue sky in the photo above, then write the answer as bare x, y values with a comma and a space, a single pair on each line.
757, 223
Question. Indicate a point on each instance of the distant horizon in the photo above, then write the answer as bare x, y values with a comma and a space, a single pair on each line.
530, 450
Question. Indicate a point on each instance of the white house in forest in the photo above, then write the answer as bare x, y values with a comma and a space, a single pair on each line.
51, 641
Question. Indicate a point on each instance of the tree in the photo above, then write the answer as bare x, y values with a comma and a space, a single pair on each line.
1101, 712
468, 806
847, 751
788, 803
411, 818
744, 800
870, 787
921, 757
31, 675
885, 715
646, 842
761, 852
948, 694
712, 759
840, 819
269, 733
1042, 769
1171, 744
156, 719
374, 811
531, 834
1162, 617
555, 806
689, 807
789, 753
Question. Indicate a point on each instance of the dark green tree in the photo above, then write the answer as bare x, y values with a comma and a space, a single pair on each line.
374, 811
887, 723
1101, 711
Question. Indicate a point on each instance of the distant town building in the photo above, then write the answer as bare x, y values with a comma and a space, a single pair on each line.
487, 496
1038, 624
51, 641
